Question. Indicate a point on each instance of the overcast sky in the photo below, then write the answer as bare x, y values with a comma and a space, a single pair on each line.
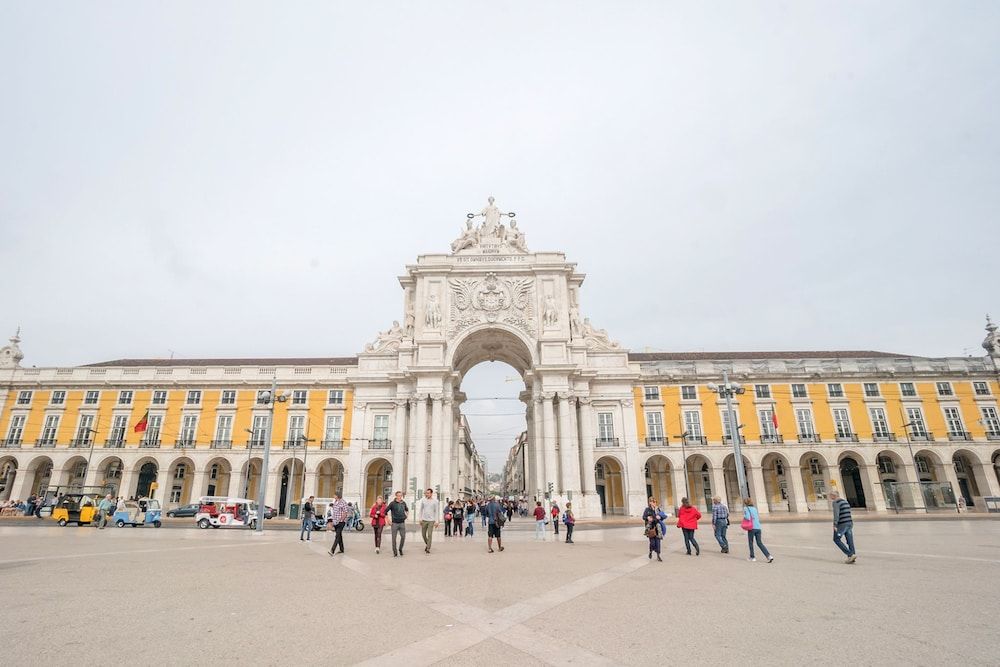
249, 179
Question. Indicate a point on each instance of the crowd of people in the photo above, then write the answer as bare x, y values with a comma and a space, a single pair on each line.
459, 519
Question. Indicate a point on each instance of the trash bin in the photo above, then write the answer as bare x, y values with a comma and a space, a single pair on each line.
293, 511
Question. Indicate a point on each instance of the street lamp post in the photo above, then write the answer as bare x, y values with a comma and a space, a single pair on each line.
262, 485
683, 437
727, 390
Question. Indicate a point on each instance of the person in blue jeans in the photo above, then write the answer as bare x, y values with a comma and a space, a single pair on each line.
720, 521
750, 513
843, 526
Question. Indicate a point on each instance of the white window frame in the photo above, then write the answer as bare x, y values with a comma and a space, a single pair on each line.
296, 428
835, 393
119, 428
689, 392
805, 428
335, 397
58, 397
606, 426
380, 428
953, 416
95, 393
886, 465
944, 389
871, 390
189, 428
991, 420
762, 390
16, 423
334, 430
983, 386
153, 428
227, 394
764, 416
838, 423
796, 393
224, 428
880, 423
915, 418
125, 397
24, 397
83, 428
50, 429
259, 429
654, 425
300, 397
908, 389
651, 392
692, 424
193, 397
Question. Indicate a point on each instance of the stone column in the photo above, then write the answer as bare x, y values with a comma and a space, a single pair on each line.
399, 447
759, 490
587, 481
419, 461
197, 486
537, 419
354, 475
636, 501
549, 442
163, 481
948, 468
447, 437
990, 477
718, 488
797, 500
235, 488
436, 443
872, 487
309, 488
529, 455
568, 449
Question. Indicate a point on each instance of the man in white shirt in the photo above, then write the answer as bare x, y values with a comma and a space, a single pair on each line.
430, 513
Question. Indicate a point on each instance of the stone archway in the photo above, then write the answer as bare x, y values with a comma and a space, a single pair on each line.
732, 489
853, 479
250, 478
146, 471
610, 484
659, 480
894, 477
329, 478
179, 483
218, 477
39, 473
109, 474
378, 481
701, 482
74, 474
777, 485
8, 475
815, 473
971, 477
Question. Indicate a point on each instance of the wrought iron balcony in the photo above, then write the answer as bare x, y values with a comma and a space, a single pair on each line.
926, 436
222, 444
959, 435
771, 438
45, 442
11, 443
293, 444
184, 443
80, 443
332, 444
657, 442
883, 437
380, 444
255, 444
149, 444
695, 440
993, 435
114, 444
809, 439
847, 437
607, 442
728, 440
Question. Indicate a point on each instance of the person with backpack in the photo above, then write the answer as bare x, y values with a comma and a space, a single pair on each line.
497, 517
570, 521
751, 524
687, 520
843, 526
555, 517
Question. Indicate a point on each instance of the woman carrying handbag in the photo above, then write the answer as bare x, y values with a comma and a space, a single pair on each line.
652, 518
751, 524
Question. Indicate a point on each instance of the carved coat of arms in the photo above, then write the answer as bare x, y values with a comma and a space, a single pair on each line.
492, 299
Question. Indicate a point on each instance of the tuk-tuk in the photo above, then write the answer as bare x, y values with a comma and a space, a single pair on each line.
75, 508
142, 512
225, 512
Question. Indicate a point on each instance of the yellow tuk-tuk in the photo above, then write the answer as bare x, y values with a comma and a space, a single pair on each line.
75, 508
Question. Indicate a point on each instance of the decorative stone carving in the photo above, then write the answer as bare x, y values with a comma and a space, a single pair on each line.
597, 339
11, 355
550, 314
432, 312
491, 299
991, 344
491, 236
387, 341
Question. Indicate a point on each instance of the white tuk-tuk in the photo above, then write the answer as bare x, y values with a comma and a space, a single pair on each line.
225, 511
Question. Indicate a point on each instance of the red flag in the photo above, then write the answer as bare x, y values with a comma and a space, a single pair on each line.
774, 418
141, 426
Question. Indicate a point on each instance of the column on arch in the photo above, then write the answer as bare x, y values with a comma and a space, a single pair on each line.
448, 485
549, 441
586, 423
418, 457
759, 493
436, 443
798, 502
538, 444
353, 474
399, 443
568, 449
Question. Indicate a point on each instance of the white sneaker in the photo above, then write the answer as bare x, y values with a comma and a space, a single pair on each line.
376, 549
770, 559
752, 559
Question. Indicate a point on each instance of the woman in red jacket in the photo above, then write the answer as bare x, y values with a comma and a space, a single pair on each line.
687, 521
378, 514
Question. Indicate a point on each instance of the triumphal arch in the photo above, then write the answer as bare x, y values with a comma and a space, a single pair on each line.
493, 299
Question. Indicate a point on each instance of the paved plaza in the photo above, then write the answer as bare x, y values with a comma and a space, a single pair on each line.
922, 592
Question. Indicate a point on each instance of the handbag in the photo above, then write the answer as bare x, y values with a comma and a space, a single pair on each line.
747, 523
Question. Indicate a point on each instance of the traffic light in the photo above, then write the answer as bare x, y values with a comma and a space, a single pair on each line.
413, 484
551, 487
